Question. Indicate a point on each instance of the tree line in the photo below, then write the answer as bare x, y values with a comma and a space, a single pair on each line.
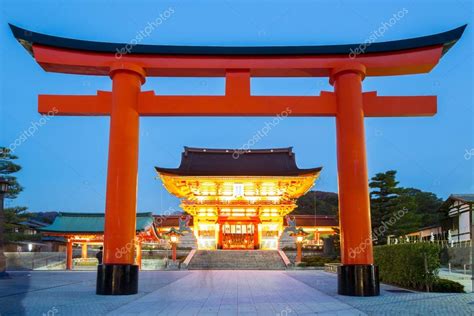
398, 210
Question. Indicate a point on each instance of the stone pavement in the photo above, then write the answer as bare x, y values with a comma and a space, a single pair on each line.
402, 302
214, 292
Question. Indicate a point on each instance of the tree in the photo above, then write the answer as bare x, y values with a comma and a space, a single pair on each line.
427, 206
15, 215
7, 168
383, 202
399, 211
317, 202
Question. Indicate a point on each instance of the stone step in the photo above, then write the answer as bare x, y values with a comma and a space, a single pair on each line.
187, 241
237, 259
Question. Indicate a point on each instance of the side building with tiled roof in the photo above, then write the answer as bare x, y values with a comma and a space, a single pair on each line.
460, 212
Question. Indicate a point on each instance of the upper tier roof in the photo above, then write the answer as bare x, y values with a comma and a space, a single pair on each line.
446, 39
232, 162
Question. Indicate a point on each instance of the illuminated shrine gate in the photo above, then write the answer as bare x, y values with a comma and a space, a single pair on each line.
238, 200
126, 103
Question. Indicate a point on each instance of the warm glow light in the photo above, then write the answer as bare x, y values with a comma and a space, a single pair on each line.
206, 243
238, 189
269, 243
271, 227
249, 204
206, 227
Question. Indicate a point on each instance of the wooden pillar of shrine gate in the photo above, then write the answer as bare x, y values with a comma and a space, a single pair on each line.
139, 254
255, 236
84, 251
69, 255
119, 274
358, 275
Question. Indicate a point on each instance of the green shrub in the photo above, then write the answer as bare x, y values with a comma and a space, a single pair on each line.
447, 286
409, 265
85, 263
318, 261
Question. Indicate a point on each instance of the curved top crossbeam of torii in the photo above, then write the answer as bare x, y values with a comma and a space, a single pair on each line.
238, 65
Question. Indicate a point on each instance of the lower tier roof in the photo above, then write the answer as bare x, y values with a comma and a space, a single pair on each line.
92, 223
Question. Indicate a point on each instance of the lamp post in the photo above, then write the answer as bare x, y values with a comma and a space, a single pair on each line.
4, 184
299, 237
174, 239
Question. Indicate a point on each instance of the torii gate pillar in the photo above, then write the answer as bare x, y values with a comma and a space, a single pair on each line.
358, 275
119, 274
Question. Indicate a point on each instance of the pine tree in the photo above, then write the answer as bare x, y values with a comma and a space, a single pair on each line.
7, 168
383, 203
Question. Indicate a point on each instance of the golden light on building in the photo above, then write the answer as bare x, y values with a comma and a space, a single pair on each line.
238, 203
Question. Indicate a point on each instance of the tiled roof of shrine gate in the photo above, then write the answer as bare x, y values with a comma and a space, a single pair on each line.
234, 162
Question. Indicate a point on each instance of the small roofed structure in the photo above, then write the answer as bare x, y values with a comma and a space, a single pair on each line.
88, 229
318, 227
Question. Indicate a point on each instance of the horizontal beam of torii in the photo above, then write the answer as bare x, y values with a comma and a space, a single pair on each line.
346, 66
237, 102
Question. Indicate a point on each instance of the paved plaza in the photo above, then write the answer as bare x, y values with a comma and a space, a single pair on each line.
284, 293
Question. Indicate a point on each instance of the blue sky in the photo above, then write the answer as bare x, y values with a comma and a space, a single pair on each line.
64, 162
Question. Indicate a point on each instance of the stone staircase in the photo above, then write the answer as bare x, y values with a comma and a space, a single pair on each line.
236, 260
188, 240
286, 241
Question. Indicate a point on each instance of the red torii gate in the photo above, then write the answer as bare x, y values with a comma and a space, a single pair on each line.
126, 103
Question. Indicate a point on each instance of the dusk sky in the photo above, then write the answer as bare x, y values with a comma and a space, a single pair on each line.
64, 161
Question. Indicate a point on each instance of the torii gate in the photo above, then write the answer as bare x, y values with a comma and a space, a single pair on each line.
126, 103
